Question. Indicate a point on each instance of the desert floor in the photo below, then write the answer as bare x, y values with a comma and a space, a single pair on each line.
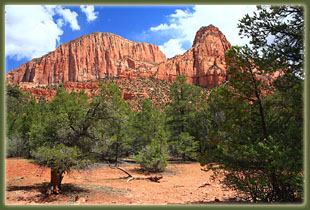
26, 183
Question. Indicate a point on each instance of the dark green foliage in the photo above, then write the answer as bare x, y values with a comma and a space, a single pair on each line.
152, 157
114, 140
60, 158
255, 136
185, 146
283, 24
247, 82
268, 169
68, 128
56, 124
187, 100
150, 138
147, 123
21, 112
66, 121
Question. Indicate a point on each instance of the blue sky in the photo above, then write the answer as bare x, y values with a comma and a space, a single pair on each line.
34, 30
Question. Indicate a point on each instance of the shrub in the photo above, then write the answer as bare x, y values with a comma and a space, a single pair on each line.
15, 147
152, 158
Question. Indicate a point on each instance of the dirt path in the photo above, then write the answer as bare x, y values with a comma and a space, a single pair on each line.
25, 184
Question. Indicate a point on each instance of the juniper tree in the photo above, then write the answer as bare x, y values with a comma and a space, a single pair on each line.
63, 135
115, 139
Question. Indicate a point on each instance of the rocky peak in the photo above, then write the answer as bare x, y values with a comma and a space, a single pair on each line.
207, 34
204, 64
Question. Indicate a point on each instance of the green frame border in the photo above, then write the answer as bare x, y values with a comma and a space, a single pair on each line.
304, 3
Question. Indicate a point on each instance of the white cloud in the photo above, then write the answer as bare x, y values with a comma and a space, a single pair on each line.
89, 12
180, 14
171, 47
164, 27
183, 24
31, 31
69, 17
60, 22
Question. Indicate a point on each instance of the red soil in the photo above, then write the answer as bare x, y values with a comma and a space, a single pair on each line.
26, 184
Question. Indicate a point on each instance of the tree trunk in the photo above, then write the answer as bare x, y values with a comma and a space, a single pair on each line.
117, 151
261, 109
56, 178
131, 177
183, 157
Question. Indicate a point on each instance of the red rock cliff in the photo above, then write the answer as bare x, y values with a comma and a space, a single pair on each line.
100, 55
90, 57
204, 64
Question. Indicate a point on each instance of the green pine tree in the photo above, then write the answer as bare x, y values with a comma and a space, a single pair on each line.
255, 129
150, 138
186, 100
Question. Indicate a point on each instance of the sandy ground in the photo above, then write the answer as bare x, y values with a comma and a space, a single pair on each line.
26, 184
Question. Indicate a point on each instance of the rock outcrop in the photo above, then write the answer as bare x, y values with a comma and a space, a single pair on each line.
204, 64
90, 57
100, 55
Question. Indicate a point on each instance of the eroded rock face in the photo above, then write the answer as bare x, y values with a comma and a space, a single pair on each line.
90, 57
99, 55
204, 64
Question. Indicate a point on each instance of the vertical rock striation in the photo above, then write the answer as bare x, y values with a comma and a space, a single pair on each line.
204, 64
100, 55
90, 57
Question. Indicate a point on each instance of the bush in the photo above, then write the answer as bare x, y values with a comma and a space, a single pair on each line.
152, 158
185, 146
15, 147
